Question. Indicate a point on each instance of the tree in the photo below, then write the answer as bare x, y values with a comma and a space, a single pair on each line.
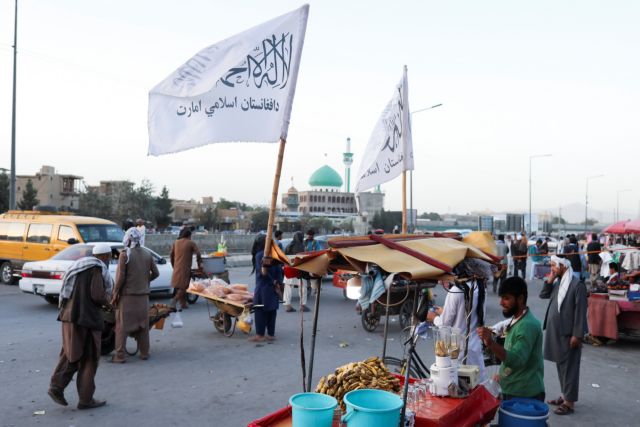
320, 224
347, 226
4, 192
93, 204
260, 220
554, 220
433, 216
207, 218
29, 197
228, 204
163, 209
386, 220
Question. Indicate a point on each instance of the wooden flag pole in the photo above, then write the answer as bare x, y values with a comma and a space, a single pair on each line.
272, 208
404, 202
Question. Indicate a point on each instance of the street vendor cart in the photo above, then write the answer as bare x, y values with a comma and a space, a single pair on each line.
226, 313
157, 315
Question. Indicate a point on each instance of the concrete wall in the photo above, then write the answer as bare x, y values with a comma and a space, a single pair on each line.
236, 243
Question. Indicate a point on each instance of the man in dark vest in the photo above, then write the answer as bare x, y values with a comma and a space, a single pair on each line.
87, 286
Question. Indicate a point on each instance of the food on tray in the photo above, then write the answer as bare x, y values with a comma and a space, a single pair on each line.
237, 297
441, 349
239, 287
197, 286
370, 373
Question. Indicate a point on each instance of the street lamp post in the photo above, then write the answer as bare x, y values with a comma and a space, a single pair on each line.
531, 158
618, 203
586, 201
412, 228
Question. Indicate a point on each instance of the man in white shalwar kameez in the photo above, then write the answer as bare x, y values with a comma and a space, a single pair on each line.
454, 314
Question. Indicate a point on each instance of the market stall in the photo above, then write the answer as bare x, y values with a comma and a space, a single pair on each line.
611, 319
412, 261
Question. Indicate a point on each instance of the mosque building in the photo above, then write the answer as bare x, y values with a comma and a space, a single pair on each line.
329, 196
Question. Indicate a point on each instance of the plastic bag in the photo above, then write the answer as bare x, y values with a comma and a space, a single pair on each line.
177, 321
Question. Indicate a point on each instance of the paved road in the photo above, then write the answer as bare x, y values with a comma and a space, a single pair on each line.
197, 377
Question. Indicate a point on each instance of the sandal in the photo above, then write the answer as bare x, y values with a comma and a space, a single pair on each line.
564, 410
256, 338
556, 402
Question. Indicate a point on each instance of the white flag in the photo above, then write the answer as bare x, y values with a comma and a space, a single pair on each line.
390, 148
238, 90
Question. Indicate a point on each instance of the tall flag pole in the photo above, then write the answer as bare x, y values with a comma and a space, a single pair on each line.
389, 151
238, 90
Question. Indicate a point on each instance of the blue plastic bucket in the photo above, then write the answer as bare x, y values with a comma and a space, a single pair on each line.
312, 409
372, 408
519, 412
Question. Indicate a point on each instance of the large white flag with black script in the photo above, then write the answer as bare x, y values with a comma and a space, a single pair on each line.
238, 90
390, 148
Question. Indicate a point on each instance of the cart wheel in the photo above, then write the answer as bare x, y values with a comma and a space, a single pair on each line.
191, 298
126, 348
108, 339
224, 323
229, 324
406, 313
370, 318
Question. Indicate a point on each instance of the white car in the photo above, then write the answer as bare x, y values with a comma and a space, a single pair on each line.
44, 278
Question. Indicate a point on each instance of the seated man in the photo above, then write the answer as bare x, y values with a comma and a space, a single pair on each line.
522, 370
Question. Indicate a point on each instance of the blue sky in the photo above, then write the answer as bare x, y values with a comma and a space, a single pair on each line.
515, 79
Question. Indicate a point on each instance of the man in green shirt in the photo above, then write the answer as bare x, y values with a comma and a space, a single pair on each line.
522, 370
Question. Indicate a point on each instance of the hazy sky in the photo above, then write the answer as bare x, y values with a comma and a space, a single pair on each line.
515, 79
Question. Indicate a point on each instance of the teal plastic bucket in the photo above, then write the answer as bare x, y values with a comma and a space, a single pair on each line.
312, 409
372, 408
520, 412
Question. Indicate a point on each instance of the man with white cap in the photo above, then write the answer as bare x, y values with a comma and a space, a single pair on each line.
85, 288
565, 325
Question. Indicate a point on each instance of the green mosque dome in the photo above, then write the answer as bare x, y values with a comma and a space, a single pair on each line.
325, 177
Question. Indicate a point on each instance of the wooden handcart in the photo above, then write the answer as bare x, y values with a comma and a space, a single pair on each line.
226, 312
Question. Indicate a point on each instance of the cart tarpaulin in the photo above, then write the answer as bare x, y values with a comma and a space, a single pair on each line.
390, 148
238, 90
444, 250
483, 241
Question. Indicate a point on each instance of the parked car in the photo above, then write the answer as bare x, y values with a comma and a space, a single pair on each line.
36, 235
44, 278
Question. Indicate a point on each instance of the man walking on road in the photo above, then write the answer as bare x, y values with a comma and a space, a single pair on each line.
565, 326
593, 258
136, 269
86, 287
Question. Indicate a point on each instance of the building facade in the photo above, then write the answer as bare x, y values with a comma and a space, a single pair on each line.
60, 191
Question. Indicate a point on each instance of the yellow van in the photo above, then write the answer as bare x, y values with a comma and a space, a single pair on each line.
34, 236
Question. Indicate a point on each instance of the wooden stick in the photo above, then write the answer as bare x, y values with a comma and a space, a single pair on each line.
404, 202
274, 198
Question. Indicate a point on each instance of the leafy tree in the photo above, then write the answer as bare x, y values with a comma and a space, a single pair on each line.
93, 204
433, 216
207, 218
260, 220
4, 192
554, 220
228, 204
347, 225
29, 197
163, 210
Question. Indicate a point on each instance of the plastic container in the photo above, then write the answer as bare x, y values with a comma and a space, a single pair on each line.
372, 408
519, 412
213, 265
312, 409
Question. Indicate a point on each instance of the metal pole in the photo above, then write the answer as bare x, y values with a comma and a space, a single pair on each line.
386, 324
586, 204
12, 186
316, 307
529, 231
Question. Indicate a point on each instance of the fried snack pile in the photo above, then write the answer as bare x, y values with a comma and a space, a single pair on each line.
370, 373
